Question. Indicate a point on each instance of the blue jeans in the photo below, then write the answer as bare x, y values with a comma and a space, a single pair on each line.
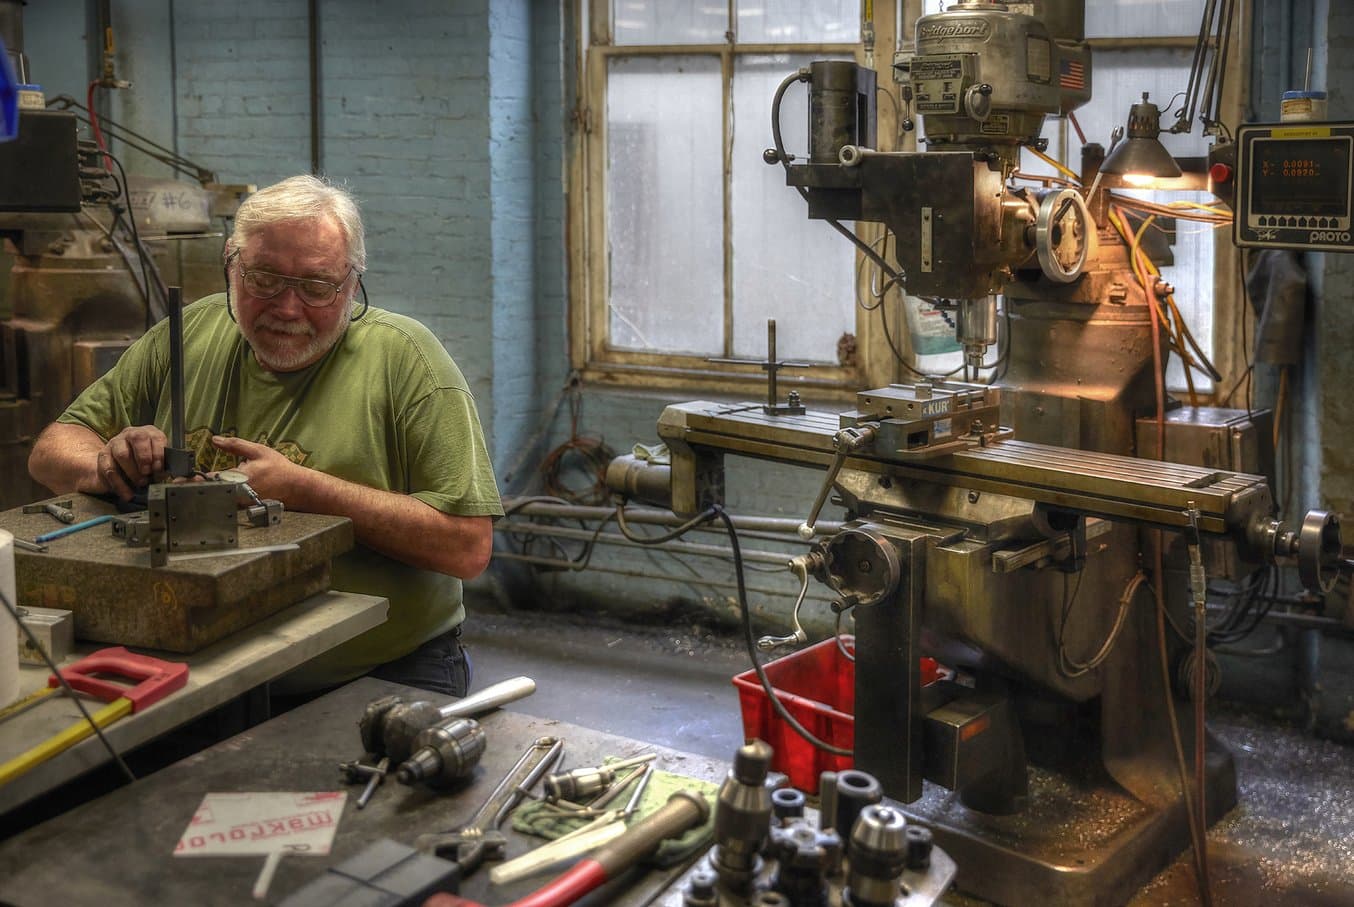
440, 665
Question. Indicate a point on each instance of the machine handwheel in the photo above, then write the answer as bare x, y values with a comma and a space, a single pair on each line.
1062, 235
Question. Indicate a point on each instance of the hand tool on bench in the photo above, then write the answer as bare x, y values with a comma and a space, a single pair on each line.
77, 527
685, 809
389, 725
479, 839
606, 826
155, 680
60, 510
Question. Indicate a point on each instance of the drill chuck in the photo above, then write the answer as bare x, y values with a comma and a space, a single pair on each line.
444, 753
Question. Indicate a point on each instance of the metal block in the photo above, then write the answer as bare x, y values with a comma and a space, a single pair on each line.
195, 516
1214, 437
133, 528
39, 169
54, 630
264, 513
969, 738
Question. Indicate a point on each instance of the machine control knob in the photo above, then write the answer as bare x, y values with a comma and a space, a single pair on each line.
978, 102
1220, 173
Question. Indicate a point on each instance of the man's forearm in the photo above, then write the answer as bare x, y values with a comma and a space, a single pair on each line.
64, 458
400, 526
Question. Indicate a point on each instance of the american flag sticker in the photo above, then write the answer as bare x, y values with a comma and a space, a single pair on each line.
1072, 74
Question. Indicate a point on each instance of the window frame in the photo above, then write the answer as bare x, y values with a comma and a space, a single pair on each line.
589, 47
589, 277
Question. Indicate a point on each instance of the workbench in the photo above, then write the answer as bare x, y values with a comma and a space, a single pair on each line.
217, 674
118, 850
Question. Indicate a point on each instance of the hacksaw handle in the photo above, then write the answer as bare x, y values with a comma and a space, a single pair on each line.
158, 678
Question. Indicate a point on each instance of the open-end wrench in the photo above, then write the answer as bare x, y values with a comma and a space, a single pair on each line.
479, 838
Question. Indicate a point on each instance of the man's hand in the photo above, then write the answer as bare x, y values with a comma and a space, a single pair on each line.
130, 460
399, 526
268, 472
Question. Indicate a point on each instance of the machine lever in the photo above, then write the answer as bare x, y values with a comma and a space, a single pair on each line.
847, 441
801, 567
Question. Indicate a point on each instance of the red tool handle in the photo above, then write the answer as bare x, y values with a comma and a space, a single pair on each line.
158, 678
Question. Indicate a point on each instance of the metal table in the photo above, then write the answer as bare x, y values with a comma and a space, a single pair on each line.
117, 850
216, 675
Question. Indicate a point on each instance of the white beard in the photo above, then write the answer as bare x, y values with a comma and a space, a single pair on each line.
284, 353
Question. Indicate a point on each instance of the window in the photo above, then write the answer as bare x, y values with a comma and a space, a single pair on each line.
684, 242
692, 242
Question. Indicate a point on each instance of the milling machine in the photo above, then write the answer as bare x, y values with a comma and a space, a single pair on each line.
1008, 532
81, 255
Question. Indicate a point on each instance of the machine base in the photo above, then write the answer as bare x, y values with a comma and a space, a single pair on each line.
1075, 843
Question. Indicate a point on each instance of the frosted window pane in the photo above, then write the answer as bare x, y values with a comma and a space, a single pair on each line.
1142, 18
669, 21
786, 267
1120, 79
1126, 18
798, 21
664, 204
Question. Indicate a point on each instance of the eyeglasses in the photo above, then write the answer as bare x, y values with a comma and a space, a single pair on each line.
312, 291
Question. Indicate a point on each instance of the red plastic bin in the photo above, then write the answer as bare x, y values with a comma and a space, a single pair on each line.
817, 686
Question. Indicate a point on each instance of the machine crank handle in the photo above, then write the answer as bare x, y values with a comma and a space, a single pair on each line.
847, 441
802, 566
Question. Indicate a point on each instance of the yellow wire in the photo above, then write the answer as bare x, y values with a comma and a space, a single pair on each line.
1054, 164
1178, 332
1221, 212
1170, 314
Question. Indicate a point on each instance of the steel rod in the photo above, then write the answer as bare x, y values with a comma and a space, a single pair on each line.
657, 517
176, 367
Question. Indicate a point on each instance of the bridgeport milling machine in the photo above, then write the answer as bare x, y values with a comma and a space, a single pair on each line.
979, 516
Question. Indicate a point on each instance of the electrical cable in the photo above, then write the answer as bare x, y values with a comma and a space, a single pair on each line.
1200, 686
802, 75
142, 251
594, 452
1195, 833
751, 644
1073, 668
136, 141
94, 116
676, 533
66, 687
840, 637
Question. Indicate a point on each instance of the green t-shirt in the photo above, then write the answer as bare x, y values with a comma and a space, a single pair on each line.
386, 408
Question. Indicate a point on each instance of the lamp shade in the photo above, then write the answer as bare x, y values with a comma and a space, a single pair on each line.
1141, 153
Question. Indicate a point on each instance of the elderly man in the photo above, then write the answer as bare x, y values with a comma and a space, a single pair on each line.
323, 403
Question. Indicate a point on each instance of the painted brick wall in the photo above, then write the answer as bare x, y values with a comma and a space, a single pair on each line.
404, 124
242, 88
512, 178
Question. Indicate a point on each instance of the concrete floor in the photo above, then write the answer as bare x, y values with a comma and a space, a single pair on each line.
1290, 841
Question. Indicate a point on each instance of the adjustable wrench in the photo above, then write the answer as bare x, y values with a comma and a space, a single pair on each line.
479, 839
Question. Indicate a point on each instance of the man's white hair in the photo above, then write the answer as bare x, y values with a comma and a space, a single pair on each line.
303, 197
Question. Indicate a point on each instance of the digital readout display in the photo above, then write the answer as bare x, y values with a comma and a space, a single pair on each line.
1307, 177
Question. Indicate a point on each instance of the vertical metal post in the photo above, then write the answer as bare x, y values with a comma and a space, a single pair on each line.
176, 366
178, 460
889, 717
772, 364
